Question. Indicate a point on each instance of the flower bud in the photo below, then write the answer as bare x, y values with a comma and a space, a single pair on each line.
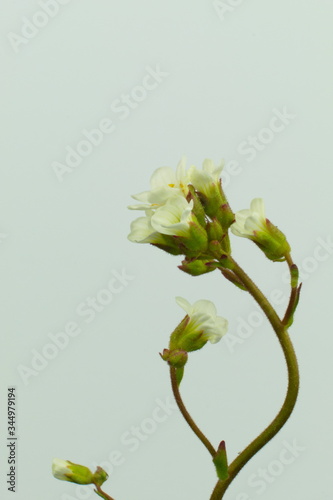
67, 471
215, 249
214, 230
197, 267
176, 358
225, 215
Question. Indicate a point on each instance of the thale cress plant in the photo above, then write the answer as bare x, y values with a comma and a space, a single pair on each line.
186, 213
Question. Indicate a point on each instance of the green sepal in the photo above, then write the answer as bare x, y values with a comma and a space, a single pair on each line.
215, 249
99, 476
273, 243
176, 334
169, 244
212, 203
214, 230
225, 243
197, 241
221, 462
225, 216
177, 358
198, 209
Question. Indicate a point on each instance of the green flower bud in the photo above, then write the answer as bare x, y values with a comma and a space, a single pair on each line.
176, 358
67, 471
215, 249
214, 230
197, 267
225, 216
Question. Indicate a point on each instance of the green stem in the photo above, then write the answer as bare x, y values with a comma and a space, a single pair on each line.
294, 295
292, 391
102, 494
186, 415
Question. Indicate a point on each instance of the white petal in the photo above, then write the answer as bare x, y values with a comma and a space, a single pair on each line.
60, 468
205, 307
143, 232
163, 176
184, 304
253, 224
143, 206
258, 207
173, 218
141, 196
181, 174
213, 170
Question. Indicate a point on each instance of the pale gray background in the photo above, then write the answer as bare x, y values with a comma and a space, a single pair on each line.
60, 241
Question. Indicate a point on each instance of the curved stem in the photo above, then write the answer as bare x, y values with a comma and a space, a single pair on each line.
292, 391
186, 415
101, 493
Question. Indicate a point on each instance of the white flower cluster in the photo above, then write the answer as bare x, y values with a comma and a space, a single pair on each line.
167, 211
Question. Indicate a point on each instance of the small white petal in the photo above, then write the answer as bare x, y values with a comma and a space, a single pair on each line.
184, 304
163, 176
60, 469
250, 221
258, 207
143, 232
174, 217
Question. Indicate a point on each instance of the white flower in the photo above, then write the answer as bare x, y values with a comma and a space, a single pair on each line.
250, 222
143, 232
253, 224
165, 183
204, 180
203, 320
174, 217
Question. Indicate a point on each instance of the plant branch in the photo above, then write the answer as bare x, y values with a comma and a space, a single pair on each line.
186, 415
292, 391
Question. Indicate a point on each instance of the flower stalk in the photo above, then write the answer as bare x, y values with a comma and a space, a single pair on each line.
292, 391
182, 408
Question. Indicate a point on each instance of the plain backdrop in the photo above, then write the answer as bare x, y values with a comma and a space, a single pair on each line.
247, 81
